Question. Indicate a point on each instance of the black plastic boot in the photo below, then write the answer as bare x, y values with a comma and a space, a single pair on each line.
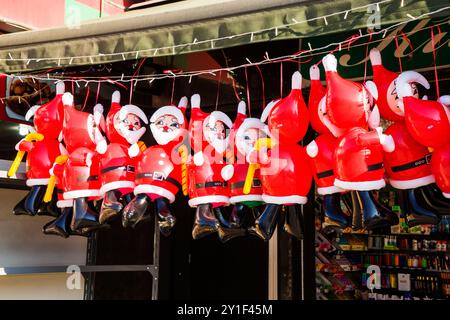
229, 227
417, 214
32, 201
292, 221
61, 225
357, 211
375, 215
166, 219
135, 211
111, 206
433, 199
333, 211
49, 208
127, 198
237, 215
83, 216
265, 224
205, 222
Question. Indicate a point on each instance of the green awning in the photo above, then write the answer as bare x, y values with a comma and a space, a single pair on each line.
155, 31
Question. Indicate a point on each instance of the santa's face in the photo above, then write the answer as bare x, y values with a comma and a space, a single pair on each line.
166, 128
129, 127
217, 132
392, 97
249, 139
167, 123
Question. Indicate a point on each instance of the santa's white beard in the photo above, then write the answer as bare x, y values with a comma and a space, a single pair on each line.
163, 138
131, 136
219, 145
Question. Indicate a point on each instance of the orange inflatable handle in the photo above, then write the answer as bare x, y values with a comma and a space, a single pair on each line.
34, 136
60, 160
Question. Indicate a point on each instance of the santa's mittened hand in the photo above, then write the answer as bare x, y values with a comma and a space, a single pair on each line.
134, 150
255, 157
312, 149
101, 146
198, 159
98, 113
67, 99
24, 145
89, 159
227, 172
30, 113
388, 143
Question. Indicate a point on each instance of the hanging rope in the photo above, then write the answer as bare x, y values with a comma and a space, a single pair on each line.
434, 62
248, 94
281, 80
262, 87
98, 92
86, 99
218, 89
399, 58
173, 90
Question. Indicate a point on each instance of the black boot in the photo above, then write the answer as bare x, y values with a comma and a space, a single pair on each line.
292, 221
205, 222
61, 225
83, 216
135, 211
229, 227
357, 211
416, 214
433, 199
265, 224
111, 206
49, 208
127, 198
166, 219
375, 215
237, 215
32, 201
333, 211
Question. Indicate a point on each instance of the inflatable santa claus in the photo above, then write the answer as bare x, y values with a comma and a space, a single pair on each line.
207, 170
124, 128
358, 157
81, 134
161, 171
284, 168
408, 166
321, 152
42, 147
428, 122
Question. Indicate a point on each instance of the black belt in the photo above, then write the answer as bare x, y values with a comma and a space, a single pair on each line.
59, 190
90, 178
127, 168
413, 164
325, 174
256, 183
158, 176
376, 166
211, 184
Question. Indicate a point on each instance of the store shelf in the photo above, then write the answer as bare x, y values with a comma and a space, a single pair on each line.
68, 269
382, 251
411, 269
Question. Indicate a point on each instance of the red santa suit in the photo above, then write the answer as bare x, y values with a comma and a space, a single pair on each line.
440, 163
118, 160
208, 172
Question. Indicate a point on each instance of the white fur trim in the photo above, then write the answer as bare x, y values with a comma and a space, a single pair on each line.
404, 80
218, 116
312, 149
64, 203
314, 72
131, 108
115, 97
268, 109
447, 195
249, 123
375, 57
374, 118
169, 110
116, 185
329, 190
30, 113
329, 62
360, 186
81, 194
227, 172
37, 182
250, 197
133, 150
198, 159
60, 87
208, 199
163, 138
242, 107
372, 88
67, 99
101, 147
147, 188
296, 80
284, 199
412, 184
195, 101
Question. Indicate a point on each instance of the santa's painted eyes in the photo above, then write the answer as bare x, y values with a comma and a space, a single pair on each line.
175, 124
247, 138
160, 122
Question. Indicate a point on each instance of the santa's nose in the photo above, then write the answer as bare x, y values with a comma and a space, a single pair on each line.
130, 126
166, 128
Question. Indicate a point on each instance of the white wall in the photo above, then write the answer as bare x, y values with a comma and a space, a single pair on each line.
22, 244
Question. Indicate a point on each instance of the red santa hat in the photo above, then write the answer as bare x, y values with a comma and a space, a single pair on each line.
288, 119
163, 138
316, 92
348, 103
387, 93
427, 121
123, 135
